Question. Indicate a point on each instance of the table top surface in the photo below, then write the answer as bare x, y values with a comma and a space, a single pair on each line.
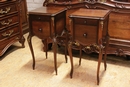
51, 11
90, 13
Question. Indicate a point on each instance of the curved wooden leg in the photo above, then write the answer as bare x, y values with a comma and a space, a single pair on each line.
80, 55
66, 46
66, 43
99, 63
105, 64
105, 53
71, 59
31, 49
45, 46
55, 51
22, 40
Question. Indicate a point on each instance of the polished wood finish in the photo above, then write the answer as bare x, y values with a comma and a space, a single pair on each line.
25, 25
118, 27
47, 22
92, 24
10, 24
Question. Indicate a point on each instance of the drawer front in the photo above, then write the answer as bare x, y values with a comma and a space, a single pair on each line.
119, 25
83, 21
85, 34
39, 18
7, 9
9, 32
8, 21
41, 29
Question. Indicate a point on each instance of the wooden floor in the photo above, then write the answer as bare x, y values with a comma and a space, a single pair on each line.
16, 69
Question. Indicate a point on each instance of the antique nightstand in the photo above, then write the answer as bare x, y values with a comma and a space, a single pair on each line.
47, 22
88, 28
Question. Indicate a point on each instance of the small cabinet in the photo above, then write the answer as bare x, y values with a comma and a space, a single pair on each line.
47, 22
87, 27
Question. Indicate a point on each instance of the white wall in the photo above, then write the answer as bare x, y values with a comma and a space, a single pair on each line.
32, 4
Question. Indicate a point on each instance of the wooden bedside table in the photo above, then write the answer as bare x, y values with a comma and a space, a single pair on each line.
88, 28
47, 22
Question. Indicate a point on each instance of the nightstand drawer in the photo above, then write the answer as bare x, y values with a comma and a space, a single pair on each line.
8, 21
86, 21
40, 18
85, 34
8, 33
41, 29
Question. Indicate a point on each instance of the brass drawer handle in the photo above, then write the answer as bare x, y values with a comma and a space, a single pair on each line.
40, 29
85, 22
39, 18
76, 43
6, 11
85, 35
5, 34
6, 23
116, 10
69, 7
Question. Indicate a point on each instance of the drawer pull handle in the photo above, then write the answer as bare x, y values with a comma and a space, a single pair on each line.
8, 34
39, 18
40, 29
6, 11
85, 22
85, 35
6, 23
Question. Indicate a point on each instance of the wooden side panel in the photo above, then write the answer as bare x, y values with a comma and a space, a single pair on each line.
24, 16
119, 25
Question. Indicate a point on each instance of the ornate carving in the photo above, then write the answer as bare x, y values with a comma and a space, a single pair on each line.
8, 34
52, 21
89, 48
120, 52
6, 23
92, 48
5, 11
101, 24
